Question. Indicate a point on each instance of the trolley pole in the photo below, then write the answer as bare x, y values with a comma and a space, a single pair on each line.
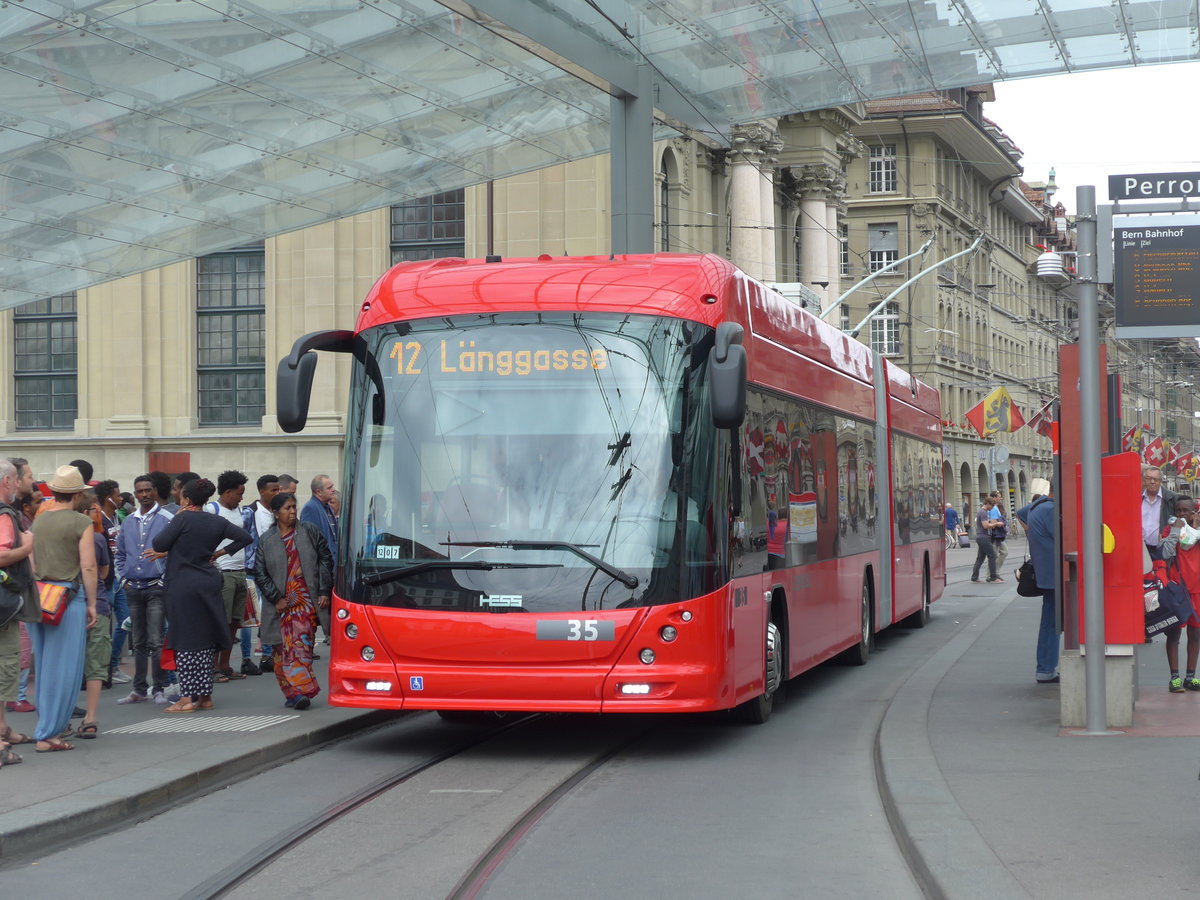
1091, 498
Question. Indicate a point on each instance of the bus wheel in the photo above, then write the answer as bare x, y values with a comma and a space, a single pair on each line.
861, 652
758, 710
920, 618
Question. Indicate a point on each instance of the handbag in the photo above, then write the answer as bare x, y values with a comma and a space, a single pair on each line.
1174, 601
53, 598
1027, 580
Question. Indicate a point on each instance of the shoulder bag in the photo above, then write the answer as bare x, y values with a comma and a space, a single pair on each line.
53, 599
1027, 580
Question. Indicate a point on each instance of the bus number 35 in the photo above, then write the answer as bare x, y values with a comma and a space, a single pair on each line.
575, 630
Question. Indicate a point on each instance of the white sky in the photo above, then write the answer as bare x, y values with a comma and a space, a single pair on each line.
1090, 125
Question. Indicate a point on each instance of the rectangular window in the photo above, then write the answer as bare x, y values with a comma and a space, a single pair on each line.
845, 311
883, 245
230, 341
844, 250
432, 227
885, 330
44, 367
881, 169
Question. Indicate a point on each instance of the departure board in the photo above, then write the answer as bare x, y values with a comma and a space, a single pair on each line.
1157, 276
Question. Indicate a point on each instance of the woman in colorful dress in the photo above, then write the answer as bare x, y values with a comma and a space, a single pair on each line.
64, 553
195, 610
293, 569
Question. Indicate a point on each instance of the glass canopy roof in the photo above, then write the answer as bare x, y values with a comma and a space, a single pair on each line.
134, 133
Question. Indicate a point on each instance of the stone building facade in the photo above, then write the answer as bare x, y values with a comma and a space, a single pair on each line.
175, 368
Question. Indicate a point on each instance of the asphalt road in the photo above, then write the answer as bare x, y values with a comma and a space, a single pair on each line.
694, 806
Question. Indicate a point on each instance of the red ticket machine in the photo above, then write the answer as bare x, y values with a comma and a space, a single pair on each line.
1124, 606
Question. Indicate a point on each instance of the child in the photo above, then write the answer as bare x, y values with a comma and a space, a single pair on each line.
1180, 546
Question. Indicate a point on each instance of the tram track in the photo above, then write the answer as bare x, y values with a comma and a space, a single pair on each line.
264, 854
261, 857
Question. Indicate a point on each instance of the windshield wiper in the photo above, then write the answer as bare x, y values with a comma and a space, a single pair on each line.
376, 578
630, 581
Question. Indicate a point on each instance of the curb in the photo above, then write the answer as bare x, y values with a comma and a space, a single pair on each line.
945, 851
86, 813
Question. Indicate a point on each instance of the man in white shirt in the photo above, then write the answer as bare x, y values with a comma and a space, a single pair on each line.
231, 487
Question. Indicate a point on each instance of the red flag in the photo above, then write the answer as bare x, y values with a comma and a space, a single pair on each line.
994, 413
783, 445
1155, 453
1043, 422
1182, 460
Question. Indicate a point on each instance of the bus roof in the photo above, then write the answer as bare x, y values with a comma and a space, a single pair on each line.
655, 284
699, 287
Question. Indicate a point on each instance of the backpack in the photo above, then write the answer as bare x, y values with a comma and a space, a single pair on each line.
20, 600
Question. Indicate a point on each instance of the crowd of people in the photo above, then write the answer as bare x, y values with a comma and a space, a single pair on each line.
182, 566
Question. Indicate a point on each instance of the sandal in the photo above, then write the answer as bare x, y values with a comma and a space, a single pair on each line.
8, 757
205, 703
88, 731
224, 675
55, 746
182, 705
220, 677
14, 737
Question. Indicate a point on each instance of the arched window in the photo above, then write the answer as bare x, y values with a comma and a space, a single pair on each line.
664, 209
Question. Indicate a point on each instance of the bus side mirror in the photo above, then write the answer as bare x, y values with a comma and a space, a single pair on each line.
294, 377
727, 376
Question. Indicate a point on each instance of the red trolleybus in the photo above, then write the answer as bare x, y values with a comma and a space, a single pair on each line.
631, 484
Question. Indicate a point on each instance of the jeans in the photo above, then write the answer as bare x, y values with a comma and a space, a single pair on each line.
147, 616
1047, 645
987, 550
120, 612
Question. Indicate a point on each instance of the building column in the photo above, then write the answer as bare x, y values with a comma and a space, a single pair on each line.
833, 229
820, 250
749, 214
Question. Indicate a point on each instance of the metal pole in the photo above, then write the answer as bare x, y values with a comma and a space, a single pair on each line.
882, 304
880, 271
1091, 501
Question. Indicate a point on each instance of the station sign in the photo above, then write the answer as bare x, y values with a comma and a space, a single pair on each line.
1157, 276
1154, 186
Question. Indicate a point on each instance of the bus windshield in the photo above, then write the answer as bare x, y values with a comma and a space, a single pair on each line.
539, 462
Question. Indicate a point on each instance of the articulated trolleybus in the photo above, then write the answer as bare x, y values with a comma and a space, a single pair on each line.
615, 484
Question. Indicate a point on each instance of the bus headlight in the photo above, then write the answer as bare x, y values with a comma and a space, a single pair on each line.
668, 633
367, 653
343, 613
351, 631
647, 656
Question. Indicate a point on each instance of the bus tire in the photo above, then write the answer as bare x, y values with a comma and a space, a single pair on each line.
758, 710
861, 652
920, 618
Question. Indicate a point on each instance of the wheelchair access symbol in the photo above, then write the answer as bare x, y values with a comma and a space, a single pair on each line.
416, 683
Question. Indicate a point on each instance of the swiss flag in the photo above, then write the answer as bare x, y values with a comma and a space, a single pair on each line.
1043, 422
1155, 453
754, 452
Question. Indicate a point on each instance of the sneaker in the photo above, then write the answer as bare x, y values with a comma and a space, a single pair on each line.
160, 697
1176, 685
249, 668
995, 581
19, 706
290, 702
266, 665
1191, 684
974, 581
134, 697
303, 703
119, 677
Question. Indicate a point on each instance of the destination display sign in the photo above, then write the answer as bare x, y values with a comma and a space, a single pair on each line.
1163, 185
470, 357
1157, 281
